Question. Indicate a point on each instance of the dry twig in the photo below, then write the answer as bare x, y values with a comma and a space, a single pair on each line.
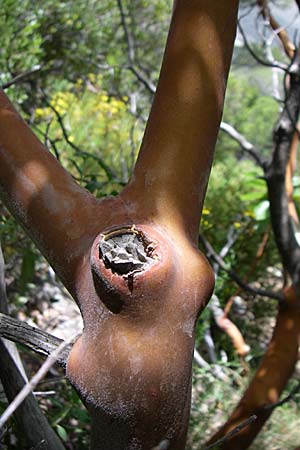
32, 384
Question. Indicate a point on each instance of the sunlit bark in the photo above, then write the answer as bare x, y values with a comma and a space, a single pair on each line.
131, 262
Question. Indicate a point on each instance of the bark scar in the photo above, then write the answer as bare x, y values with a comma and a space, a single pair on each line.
126, 251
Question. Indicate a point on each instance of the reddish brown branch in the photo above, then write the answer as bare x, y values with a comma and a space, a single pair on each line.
275, 175
259, 254
290, 170
184, 120
287, 44
270, 379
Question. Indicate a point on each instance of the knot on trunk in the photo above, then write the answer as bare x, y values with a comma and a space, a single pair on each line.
125, 251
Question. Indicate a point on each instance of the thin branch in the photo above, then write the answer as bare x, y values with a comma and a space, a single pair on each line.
286, 399
13, 378
211, 253
109, 172
200, 361
142, 78
259, 254
225, 324
277, 65
231, 433
232, 237
37, 340
32, 384
21, 77
131, 53
247, 146
215, 370
10, 346
280, 32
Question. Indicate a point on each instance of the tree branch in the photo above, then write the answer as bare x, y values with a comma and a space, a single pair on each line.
13, 377
265, 390
43, 197
285, 399
18, 78
275, 175
243, 142
30, 419
261, 61
288, 46
184, 120
108, 171
211, 253
231, 433
37, 340
31, 385
131, 53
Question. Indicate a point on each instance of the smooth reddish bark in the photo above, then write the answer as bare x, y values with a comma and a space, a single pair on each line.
270, 379
132, 365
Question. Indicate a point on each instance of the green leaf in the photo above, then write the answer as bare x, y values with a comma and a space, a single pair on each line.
261, 210
62, 432
253, 196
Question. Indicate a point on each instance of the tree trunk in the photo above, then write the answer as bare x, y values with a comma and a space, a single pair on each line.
132, 262
270, 379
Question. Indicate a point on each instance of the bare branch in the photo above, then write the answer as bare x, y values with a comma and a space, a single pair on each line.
225, 324
13, 378
214, 370
279, 31
10, 346
211, 253
37, 340
246, 146
131, 53
31, 385
228, 327
200, 361
31, 421
261, 61
231, 433
21, 77
109, 172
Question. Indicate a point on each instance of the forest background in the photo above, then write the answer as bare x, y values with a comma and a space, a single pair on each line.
83, 75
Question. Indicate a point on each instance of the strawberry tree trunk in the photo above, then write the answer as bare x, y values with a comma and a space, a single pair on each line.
131, 262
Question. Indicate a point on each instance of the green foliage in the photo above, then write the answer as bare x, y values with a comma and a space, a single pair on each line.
89, 108
213, 401
250, 112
